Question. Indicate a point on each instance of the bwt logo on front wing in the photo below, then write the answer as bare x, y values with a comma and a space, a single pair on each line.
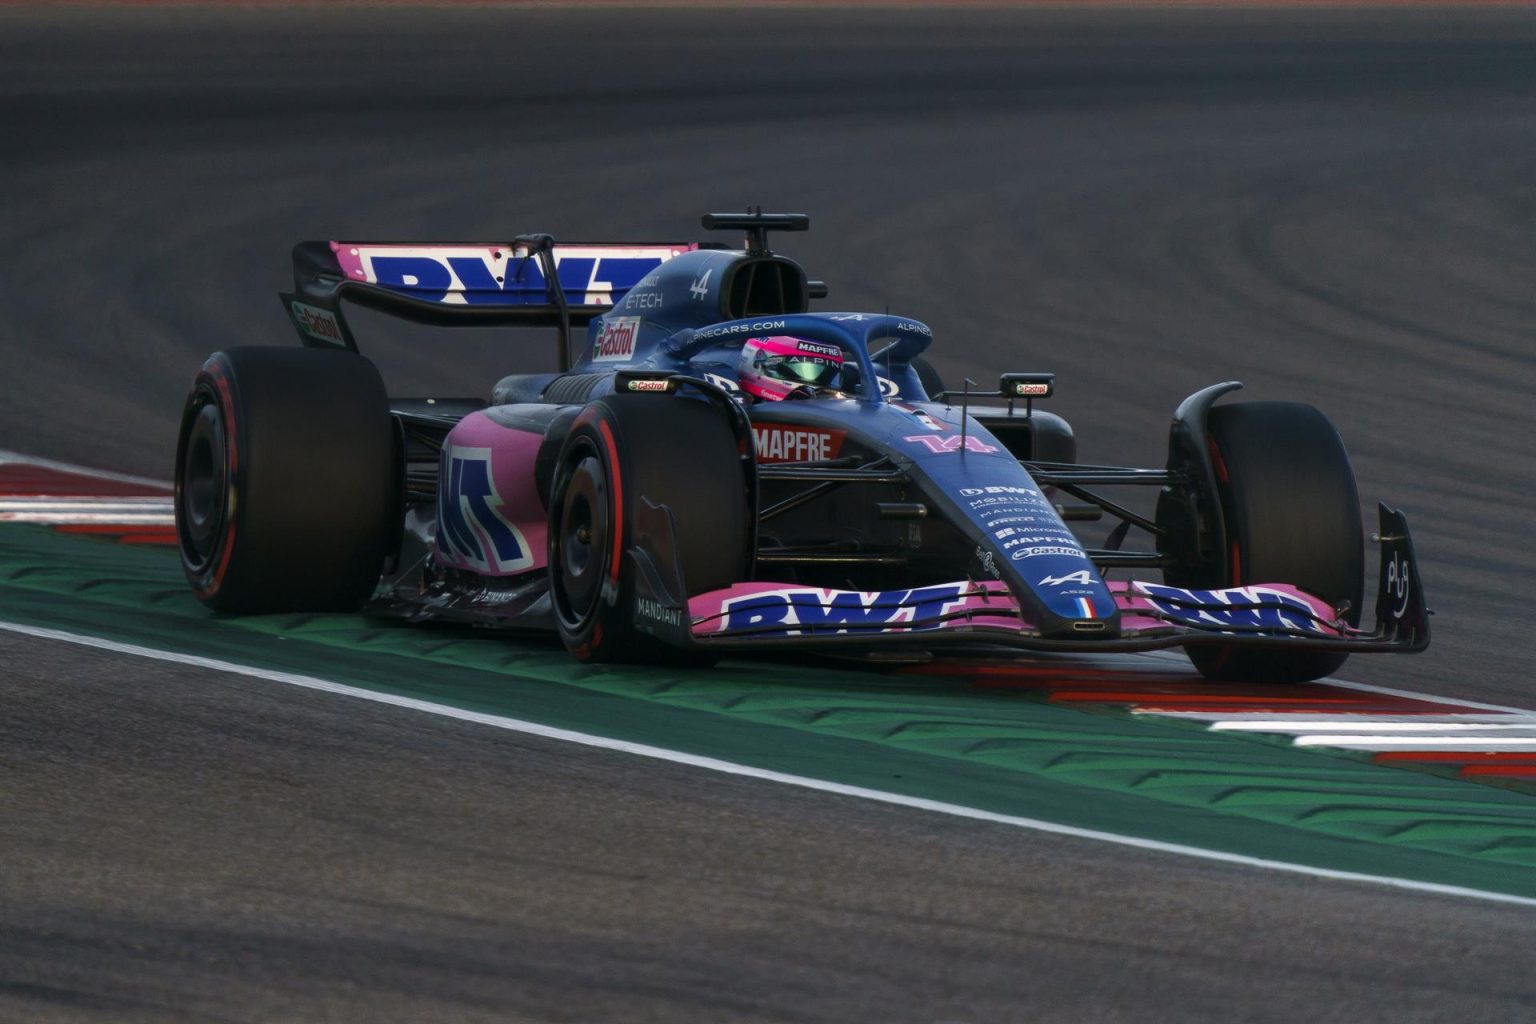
1257, 607
805, 611
471, 531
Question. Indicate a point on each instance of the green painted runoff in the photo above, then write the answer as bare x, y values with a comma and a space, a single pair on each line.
1004, 751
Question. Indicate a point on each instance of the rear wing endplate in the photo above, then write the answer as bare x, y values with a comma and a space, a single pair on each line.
529, 281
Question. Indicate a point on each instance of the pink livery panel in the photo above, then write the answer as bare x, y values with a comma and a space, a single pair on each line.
1147, 609
489, 517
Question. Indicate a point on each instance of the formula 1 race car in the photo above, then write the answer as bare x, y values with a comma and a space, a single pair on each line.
720, 469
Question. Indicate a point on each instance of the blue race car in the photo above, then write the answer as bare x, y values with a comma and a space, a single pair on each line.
714, 467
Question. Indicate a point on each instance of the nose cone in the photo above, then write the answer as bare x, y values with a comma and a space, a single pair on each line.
1020, 538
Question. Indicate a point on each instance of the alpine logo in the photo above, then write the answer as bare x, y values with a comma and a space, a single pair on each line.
1082, 578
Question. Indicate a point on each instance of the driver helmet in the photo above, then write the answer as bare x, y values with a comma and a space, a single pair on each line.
773, 368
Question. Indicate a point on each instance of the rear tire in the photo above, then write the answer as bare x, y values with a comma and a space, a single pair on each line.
1292, 515
287, 494
622, 448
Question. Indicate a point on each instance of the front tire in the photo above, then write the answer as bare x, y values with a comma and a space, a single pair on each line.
623, 449
287, 495
1292, 515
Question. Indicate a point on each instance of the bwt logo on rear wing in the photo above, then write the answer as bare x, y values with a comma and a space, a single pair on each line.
465, 284
474, 274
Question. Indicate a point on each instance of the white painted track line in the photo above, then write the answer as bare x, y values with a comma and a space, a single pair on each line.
1377, 728
1472, 727
91, 518
83, 519
747, 771
87, 504
1362, 722
69, 467
1470, 705
1481, 727
1469, 744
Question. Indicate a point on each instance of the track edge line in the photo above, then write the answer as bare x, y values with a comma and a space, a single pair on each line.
748, 771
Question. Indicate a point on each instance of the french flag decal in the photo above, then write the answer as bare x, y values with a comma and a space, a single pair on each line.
1084, 608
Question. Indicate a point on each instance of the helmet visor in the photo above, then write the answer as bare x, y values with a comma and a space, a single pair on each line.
817, 371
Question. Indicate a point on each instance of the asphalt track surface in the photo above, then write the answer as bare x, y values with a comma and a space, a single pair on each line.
1334, 207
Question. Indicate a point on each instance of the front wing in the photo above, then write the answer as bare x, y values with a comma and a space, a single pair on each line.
768, 615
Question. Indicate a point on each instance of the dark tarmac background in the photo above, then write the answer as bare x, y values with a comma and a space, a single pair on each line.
1335, 207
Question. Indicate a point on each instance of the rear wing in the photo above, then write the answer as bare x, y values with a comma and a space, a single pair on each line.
529, 281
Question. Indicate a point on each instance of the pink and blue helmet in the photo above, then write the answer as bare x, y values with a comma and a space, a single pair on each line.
776, 367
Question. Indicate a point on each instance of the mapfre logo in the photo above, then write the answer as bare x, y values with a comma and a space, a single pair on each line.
779, 443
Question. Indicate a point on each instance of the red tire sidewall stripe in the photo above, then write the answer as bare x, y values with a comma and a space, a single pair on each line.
231, 445
1234, 552
1218, 461
618, 498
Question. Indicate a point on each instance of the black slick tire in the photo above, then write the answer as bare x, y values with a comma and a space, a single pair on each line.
623, 449
1292, 515
287, 489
